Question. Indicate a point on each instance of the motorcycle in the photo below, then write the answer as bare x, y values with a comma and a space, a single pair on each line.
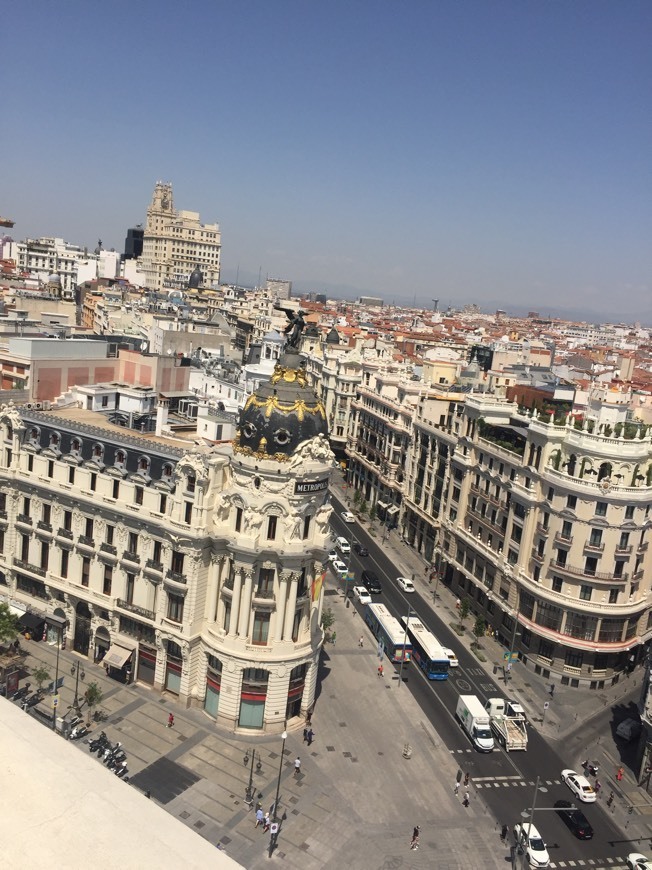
97, 742
116, 760
21, 693
80, 730
33, 700
111, 753
121, 769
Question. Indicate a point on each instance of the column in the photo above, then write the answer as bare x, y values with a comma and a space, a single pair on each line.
245, 605
235, 601
281, 604
291, 607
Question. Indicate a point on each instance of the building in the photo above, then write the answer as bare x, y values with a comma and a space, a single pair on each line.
194, 569
175, 243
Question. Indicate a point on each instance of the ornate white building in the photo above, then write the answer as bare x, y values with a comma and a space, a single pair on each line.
195, 570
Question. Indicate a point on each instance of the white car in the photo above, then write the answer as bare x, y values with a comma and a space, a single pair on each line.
348, 517
406, 584
452, 658
343, 545
361, 594
636, 861
579, 785
529, 839
333, 555
339, 567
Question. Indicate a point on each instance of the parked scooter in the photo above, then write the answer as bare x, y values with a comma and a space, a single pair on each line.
32, 701
21, 693
80, 730
121, 769
97, 742
116, 760
111, 752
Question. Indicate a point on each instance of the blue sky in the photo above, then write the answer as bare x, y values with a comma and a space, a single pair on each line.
488, 152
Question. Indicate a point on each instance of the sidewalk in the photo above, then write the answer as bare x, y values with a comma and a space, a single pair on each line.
358, 796
567, 718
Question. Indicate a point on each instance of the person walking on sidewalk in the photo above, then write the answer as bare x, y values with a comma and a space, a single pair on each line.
456, 788
466, 799
309, 736
260, 817
297, 766
170, 720
619, 774
380, 669
361, 641
503, 833
414, 844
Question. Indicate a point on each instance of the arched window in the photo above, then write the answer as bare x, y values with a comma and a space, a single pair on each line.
572, 463
10, 431
75, 446
605, 470
167, 470
120, 457
34, 433
55, 439
143, 464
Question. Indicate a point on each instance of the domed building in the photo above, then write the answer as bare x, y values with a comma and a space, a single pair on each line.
201, 568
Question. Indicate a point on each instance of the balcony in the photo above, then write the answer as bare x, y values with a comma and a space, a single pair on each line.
3, 515
543, 530
65, 533
584, 572
641, 548
264, 593
538, 557
85, 541
561, 538
42, 526
26, 566
134, 608
176, 577
626, 550
24, 519
594, 547
131, 557
109, 549
152, 566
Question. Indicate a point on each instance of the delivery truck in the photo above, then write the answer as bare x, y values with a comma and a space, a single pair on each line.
475, 720
507, 720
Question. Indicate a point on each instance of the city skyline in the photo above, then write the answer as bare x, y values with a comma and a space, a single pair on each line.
479, 153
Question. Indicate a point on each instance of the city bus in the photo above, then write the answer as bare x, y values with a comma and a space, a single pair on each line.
389, 632
427, 652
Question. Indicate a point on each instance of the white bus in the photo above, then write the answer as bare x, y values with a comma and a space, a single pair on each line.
389, 631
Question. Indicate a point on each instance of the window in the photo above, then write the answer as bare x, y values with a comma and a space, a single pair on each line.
71, 475
116, 489
536, 573
260, 631
517, 534
86, 570
526, 637
595, 539
175, 607
177, 562
266, 582
567, 530
67, 521
65, 556
551, 494
271, 528
24, 548
188, 512
26, 506
512, 557
561, 557
571, 502
89, 527
131, 582
619, 568
557, 584
238, 519
574, 659
306, 527
30, 462
601, 509
192, 483
163, 505
613, 596
138, 495
50, 468
45, 555
456, 493
2, 549
110, 531
629, 512
156, 553
108, 579
133, 543
585, 593
624, 541
546, 648
590, 566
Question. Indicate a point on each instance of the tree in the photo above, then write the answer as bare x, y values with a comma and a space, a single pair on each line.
364, 507
93, 696
464, 610
478, 629
9, 625
372, 513
40, 675
357, 498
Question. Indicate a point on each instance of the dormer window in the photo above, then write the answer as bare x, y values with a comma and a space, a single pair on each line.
143, 464
75, 446
54, 439
98, 451
34, 435
167, 470
120, 458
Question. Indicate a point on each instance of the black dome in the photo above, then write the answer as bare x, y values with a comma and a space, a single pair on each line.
281, 414
196, 279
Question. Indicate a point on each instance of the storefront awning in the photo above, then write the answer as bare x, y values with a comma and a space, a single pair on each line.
117, 656
17, 611
32, 621
393, 510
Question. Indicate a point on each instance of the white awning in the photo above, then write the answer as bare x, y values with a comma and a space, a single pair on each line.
382, 504
17, 611
393, 510
117, 656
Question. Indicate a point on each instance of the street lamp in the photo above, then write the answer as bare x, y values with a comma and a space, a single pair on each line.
249, 794
75, 671
55, 697
274, 837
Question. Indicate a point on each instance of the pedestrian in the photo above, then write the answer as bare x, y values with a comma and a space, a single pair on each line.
309, 719
503, 833
266, 823
457, 604
380, 670
467, 777
597, 786
305, 735
361, 641
297, 766
414, 844
457, 786
552, 690
170, 720
610, 799
619, 774
309, 736
466, 799
260, 817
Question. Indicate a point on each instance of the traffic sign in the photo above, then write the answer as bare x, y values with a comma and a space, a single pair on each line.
510, 656
55, 701
546, 704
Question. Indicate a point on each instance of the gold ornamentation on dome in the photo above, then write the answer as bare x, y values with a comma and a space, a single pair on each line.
289, 375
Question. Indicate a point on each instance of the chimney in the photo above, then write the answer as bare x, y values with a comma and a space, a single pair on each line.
161, 416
